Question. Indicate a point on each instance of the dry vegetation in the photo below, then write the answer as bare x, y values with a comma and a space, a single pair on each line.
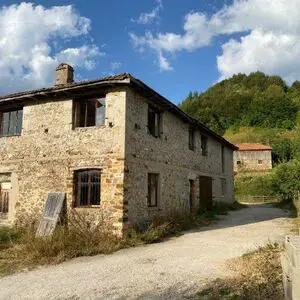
257, 276
21, 250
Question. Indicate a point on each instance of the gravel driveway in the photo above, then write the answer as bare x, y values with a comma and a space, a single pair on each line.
169, 270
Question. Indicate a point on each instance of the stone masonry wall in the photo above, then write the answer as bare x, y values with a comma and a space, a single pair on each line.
170, 156
43, 159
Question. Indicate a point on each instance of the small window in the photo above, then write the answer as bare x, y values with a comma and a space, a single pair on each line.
154, 121
192, 140
153, 189
238, 162
11, 122
223, 158
87, 188
223, 186
204, 141
260, 162
90, 112
4, 198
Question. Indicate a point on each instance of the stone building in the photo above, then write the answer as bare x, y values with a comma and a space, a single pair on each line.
252, 157
113, 145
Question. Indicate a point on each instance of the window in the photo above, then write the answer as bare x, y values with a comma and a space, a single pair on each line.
154, 121
11, 122
192, 194
4, 197
90, 112
153, 189
238, 162
87, 188
223, 186
192, 144
223, 158
260, 162
204, 141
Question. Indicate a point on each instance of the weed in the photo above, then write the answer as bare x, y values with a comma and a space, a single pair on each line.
258, 275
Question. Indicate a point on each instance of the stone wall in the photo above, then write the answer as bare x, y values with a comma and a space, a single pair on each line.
43, 159
168, 155
249, 160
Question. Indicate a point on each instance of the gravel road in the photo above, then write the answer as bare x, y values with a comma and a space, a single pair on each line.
169, 270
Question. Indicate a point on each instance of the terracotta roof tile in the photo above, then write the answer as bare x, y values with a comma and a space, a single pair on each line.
253, 147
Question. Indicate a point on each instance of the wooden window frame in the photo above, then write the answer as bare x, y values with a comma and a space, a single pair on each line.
192, 139
156, 177
259, 162
76, 188
154, 121
17, 126
77, 105
4, 203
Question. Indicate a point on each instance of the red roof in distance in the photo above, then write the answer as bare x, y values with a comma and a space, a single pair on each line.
253, 147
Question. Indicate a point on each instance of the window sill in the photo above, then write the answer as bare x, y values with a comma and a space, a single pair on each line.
87, 206
10, 136
88, 127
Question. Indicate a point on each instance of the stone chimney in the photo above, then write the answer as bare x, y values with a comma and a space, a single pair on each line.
64, 74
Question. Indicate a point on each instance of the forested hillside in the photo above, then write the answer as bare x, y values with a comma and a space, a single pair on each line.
256, 108
256, 100
251, 108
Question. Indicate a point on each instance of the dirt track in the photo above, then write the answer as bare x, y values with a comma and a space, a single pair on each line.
168, 270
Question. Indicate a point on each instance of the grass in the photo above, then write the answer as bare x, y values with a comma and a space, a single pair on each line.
21, 250
257, 275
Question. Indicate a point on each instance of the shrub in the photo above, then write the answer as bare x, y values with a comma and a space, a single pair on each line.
286, 179
248, 186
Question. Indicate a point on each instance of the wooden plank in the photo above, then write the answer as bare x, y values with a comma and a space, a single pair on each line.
52, 214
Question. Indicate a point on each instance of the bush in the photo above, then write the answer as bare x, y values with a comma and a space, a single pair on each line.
248, 186
286, 179
8, 235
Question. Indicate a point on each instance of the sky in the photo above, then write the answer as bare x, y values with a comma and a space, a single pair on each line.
173, 46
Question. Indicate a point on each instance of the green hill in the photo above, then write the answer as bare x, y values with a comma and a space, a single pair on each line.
255, 100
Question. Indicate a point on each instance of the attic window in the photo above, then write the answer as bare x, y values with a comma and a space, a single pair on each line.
11, 122
89, 112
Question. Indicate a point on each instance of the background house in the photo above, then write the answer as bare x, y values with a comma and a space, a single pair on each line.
252, 156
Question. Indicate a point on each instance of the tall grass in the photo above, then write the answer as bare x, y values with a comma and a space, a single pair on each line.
258, 275
84, 237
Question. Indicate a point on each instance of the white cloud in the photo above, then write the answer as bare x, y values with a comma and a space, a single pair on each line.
150, 17
115, 65
29, 35
270, 39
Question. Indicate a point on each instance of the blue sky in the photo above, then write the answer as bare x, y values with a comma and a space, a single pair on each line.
174, 46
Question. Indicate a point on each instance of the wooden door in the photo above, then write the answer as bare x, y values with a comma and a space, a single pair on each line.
205, 185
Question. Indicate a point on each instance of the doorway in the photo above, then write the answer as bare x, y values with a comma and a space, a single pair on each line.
206, 199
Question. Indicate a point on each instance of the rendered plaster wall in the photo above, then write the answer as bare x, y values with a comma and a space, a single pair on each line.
43, 159
168, 155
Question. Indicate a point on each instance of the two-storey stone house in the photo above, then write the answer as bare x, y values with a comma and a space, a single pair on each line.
252, 157
113, 145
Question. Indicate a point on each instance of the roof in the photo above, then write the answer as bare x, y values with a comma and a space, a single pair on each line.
253, 147
74, 89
